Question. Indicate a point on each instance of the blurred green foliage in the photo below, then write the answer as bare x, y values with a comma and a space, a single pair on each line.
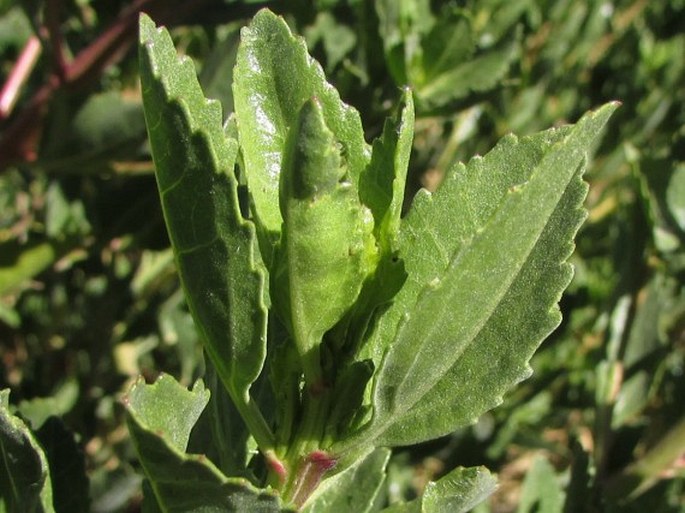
89, 298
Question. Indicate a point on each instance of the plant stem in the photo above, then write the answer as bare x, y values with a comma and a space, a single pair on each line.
256, 425
306, 463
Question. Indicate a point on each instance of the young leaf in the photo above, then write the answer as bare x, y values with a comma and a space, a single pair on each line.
381, 188
382, 184
24, 476
354, 491
160, 417
457, 337
326, 248
274, 77
213, 244
457, 492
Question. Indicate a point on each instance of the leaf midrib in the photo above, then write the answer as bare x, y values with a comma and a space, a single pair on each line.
391, 415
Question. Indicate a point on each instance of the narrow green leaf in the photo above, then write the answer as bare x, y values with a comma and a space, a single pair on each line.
675, 196
457, 492
382, 188
475, 75
213, 244
354, 491
24, 475
382, 185
160, 417
274, 77
327, 247
457, 337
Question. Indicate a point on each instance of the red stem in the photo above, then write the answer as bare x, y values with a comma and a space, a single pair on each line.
18, 76
54, 35
309, 476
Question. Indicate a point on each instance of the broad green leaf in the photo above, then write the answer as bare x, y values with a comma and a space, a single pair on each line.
541, 491
160, 417
327, 247
486, 258
457, 492
355, 490
213, 244
274, 77
24, 475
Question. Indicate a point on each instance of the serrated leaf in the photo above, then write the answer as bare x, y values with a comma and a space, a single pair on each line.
167, 408
457, 337
274, 77
24, 475
160, 417
354, 491
326, 248
457, 492
213, 244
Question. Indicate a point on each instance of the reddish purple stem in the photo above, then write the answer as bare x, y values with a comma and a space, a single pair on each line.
310, 474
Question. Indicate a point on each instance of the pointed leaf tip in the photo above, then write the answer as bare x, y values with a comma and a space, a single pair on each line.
500, 268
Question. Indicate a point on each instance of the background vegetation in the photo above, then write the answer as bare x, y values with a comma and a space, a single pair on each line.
89, 298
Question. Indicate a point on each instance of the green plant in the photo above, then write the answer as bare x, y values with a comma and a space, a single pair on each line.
336, 325
338, 322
